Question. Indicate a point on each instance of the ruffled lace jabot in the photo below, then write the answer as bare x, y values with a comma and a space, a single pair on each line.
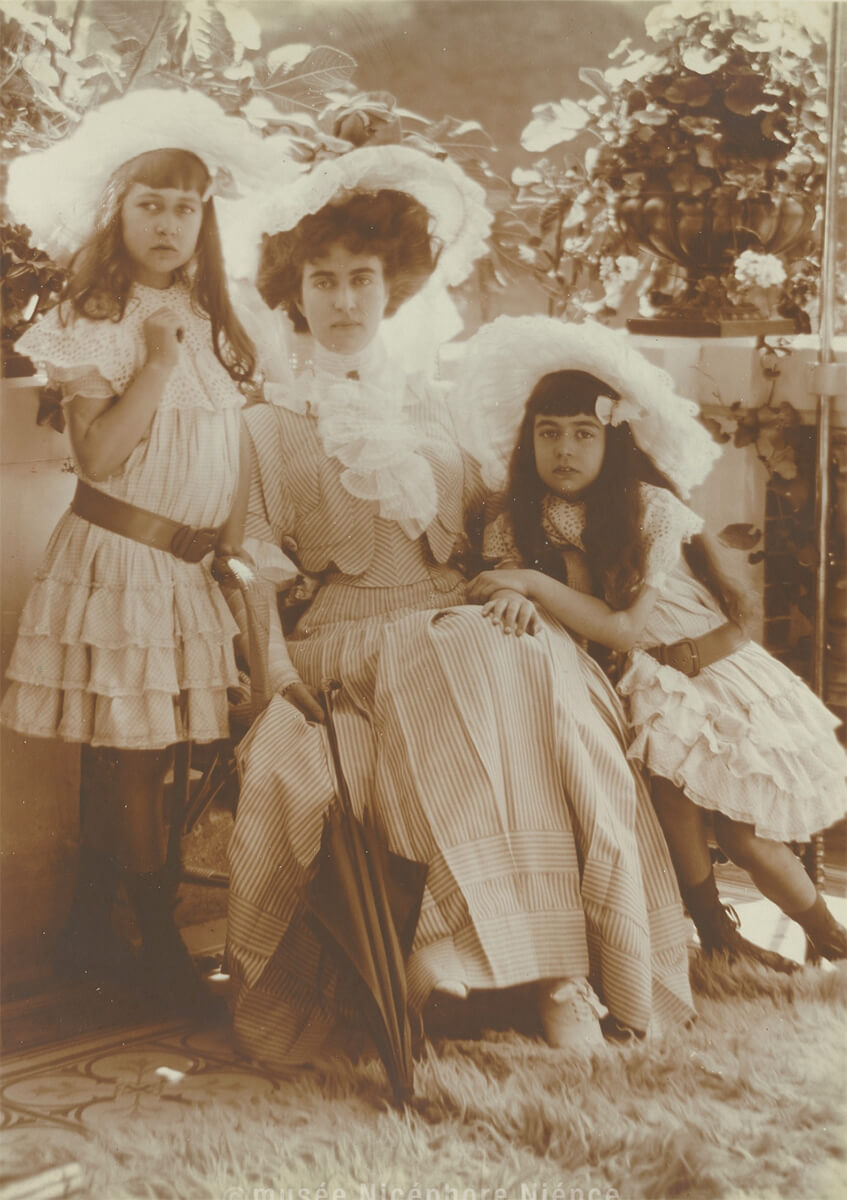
359, 402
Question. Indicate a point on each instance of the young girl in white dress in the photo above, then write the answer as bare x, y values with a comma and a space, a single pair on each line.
125, 643
602, 449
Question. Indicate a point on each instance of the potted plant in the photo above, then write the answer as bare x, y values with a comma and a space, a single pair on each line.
704, 146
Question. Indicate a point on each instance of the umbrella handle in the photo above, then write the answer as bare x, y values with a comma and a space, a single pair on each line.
326, 693
235, 575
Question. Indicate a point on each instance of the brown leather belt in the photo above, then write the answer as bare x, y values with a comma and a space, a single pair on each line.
141, 525
691, 655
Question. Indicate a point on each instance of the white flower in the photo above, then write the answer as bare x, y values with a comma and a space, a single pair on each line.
607, 267
552, 124
759, 270
627, 266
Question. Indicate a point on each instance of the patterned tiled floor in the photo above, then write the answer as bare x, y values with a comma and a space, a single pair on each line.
53, 1097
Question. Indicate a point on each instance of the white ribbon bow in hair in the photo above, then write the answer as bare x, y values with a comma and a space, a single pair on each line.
615, 412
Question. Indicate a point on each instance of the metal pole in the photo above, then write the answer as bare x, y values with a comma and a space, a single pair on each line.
828, 380
829, 260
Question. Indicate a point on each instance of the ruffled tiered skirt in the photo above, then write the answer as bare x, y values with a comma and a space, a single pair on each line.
746, 738
496, 760
120, 645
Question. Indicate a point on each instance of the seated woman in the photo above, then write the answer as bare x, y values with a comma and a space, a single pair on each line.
495, 760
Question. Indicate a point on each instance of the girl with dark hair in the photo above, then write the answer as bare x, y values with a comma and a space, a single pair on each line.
494, 762
125, 643
389, 224
718, 722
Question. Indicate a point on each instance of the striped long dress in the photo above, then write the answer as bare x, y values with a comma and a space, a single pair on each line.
496, 760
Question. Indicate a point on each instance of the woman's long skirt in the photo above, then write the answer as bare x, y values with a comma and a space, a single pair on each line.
497, 760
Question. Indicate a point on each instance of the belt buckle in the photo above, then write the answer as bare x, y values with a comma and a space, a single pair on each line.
690, 664
191, 544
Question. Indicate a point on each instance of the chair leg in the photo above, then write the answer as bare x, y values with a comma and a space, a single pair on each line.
179, 807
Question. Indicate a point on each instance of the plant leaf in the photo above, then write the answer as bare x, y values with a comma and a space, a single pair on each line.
285, 58
595, 79
740, 536
744, 435
38, 66
323, 70
242, 25
199, 32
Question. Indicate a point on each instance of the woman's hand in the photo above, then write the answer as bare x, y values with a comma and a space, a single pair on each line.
514, 612
305, 699
488, 583
162, 333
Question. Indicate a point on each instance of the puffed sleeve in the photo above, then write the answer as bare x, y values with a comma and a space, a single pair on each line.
82, 356
666, 523
270, 510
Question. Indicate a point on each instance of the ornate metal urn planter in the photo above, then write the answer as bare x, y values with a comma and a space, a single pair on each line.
705, 235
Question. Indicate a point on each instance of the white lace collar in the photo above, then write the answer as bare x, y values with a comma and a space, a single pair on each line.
359, 402
563, 520
367, 364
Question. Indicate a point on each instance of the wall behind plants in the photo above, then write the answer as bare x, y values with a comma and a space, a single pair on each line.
483, 60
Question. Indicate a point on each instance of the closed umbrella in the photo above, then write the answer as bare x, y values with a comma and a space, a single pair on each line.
364, 901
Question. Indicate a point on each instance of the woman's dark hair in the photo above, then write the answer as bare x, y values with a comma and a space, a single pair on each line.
390, 225
101, 272
612, 537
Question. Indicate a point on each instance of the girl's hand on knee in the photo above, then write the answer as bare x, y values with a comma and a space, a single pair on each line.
162, 333
488, 583
513, 612
305, 699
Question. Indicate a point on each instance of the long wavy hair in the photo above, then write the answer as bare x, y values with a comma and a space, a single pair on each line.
101, 272
390, 225
613, 540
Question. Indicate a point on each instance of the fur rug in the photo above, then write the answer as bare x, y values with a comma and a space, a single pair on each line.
748, 1103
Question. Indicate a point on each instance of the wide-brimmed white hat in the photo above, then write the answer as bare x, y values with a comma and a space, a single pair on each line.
457, 204
56, 191
505, 360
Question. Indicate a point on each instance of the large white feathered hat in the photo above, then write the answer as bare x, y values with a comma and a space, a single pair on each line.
505, 360
457, 205
56, 191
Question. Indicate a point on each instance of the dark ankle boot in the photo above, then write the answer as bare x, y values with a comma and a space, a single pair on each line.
170, 980
88, 947
717, 926
826, 937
